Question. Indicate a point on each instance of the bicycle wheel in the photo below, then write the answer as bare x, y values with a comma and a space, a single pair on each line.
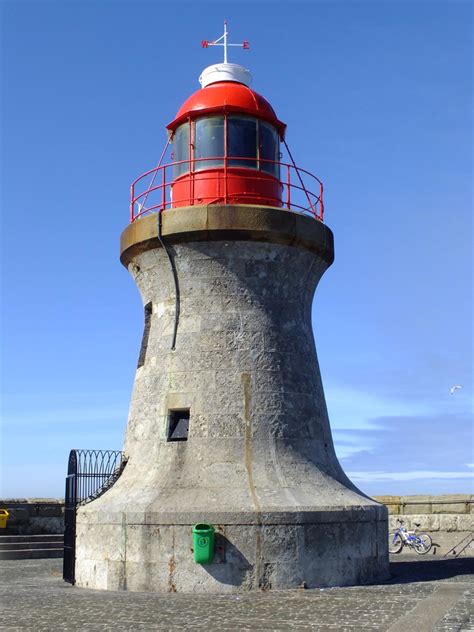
395, 543
422, 544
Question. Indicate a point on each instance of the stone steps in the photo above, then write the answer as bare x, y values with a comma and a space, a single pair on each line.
24, 547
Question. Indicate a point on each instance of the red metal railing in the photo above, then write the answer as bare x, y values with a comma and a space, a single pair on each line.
152, 191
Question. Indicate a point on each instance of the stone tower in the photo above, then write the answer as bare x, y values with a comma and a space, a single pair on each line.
228, 423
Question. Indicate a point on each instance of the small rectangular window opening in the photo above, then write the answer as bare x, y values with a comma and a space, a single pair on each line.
178, 425
146, 334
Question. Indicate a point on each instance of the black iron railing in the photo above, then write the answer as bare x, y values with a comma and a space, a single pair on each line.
90, 473
464, 547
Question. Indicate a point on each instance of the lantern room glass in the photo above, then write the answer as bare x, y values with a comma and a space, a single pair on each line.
269, 149
209, 142
251, 144
181, 150
242, 141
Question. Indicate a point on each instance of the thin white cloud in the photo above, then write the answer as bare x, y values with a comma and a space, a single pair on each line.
415, 475
356, 409
348, 444
346, 451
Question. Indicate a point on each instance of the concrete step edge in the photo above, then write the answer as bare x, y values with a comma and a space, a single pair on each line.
20, 546
46, 537
25, 554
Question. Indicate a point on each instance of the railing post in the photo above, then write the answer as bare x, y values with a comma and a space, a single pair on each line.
132, 195
288, 186
226, 190
192, 175
321, 203
163, 185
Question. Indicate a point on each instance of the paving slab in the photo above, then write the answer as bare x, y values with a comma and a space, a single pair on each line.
421, 595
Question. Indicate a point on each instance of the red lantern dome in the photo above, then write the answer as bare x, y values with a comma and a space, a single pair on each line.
225, 143
227, 96
226, 140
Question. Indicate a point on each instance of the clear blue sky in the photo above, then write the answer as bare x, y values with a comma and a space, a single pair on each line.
377, 98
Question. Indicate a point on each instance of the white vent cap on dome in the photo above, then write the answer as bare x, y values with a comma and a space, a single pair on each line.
225, 72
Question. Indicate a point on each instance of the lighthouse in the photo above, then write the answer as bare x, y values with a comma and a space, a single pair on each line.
228, 432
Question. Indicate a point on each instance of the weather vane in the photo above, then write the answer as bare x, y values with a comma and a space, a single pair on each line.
205, 43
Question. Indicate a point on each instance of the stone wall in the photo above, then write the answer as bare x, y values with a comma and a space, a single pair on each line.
447, 518
461, 504
32, 516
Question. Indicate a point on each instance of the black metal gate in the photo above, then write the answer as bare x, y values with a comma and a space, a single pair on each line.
90, 473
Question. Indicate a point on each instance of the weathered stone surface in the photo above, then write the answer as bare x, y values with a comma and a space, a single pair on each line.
259, 462
450, 508
465, 523
227, 222
442, 504
18, 515
34, 516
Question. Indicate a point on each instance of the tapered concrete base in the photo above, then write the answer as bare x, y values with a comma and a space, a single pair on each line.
339, 550
259, 462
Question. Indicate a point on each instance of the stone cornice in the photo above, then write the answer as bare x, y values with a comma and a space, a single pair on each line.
228, 223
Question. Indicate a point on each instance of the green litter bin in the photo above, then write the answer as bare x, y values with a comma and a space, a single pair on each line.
203, 543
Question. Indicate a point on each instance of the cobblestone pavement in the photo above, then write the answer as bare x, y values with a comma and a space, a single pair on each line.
460, 616
33, 596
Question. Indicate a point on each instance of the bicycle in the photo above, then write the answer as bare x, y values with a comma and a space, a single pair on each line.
421, 542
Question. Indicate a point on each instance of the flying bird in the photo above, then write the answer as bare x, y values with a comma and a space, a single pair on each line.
455, 388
